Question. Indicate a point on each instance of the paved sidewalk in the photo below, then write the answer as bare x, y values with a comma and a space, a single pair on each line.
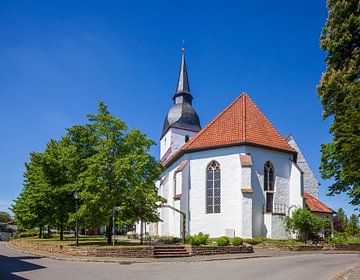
259, 253
349, 274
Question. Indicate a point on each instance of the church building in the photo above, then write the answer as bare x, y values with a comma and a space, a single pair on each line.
236, 176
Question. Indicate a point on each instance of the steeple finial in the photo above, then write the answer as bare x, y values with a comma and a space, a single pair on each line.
183, 81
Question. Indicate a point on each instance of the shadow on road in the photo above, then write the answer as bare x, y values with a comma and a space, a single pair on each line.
10, 265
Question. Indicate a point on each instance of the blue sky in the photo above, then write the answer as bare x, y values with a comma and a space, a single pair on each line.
57, 58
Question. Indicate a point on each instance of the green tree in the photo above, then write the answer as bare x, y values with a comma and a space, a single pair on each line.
102, 161
341, 216
119, 171
352, 227
304, 222
339, 91
32, 208
5, 217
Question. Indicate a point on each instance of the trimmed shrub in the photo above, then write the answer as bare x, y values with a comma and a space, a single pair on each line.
237, 241
255, 240
222, 241
200, 239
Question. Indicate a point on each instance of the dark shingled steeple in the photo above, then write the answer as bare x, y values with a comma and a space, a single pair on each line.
182, 115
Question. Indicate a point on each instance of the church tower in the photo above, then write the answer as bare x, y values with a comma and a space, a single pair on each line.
182, 122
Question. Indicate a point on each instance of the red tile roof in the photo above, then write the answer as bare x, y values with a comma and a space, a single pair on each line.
315, 205
241, 123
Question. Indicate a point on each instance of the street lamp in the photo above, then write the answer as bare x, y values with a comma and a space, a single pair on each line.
76, 197
115, 208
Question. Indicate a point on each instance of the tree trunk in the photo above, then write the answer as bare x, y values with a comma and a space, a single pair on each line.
141, 232
109, 231
61, 232
40, 231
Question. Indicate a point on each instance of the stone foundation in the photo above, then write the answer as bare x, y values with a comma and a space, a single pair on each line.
306, 247
218, 250
129, 252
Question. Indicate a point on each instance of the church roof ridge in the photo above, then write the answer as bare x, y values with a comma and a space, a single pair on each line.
240, 123
211, 122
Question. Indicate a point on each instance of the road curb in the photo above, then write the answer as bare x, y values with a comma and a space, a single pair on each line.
127, 261
146, 260
345, 275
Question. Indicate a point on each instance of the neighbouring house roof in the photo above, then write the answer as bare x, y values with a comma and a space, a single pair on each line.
315, 205
241, 123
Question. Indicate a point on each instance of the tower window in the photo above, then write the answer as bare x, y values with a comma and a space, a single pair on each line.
187, 138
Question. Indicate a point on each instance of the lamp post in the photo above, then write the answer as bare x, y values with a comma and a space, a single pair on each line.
76, 197
113, 224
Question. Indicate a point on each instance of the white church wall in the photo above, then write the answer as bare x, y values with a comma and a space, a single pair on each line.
311, 183
230, 214
184, 201
233, 201
280, 160
296, 188
174, 138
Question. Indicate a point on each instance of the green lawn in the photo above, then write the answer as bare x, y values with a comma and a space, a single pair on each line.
93, 241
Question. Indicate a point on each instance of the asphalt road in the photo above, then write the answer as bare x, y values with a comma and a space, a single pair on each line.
17, 265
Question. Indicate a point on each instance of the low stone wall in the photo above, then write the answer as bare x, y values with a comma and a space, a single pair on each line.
308, 247
129, 252
349, 247
219, 250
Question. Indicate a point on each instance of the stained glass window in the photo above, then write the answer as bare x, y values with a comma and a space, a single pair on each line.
213, 188
269, 185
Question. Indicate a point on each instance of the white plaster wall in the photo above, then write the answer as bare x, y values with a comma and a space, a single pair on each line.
267, 225
311, 184
193, 187
247, 201
174, 138
184, 202
230, 214
246, 216
296, 189
278, 228
282, 166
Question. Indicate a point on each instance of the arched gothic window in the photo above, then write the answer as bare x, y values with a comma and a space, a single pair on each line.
269, 185
268, 176
213, 187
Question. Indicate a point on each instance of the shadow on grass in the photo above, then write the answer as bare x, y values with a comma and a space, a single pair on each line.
10, 265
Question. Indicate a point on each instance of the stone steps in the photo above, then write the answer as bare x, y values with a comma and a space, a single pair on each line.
170, 252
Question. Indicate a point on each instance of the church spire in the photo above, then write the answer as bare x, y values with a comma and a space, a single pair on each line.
183, 81
182, 115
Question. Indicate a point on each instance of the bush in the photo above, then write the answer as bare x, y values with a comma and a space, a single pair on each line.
255, 240
222, 241
343, 239
170, 239
200, 239
237, 241
303, 221
29, 232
